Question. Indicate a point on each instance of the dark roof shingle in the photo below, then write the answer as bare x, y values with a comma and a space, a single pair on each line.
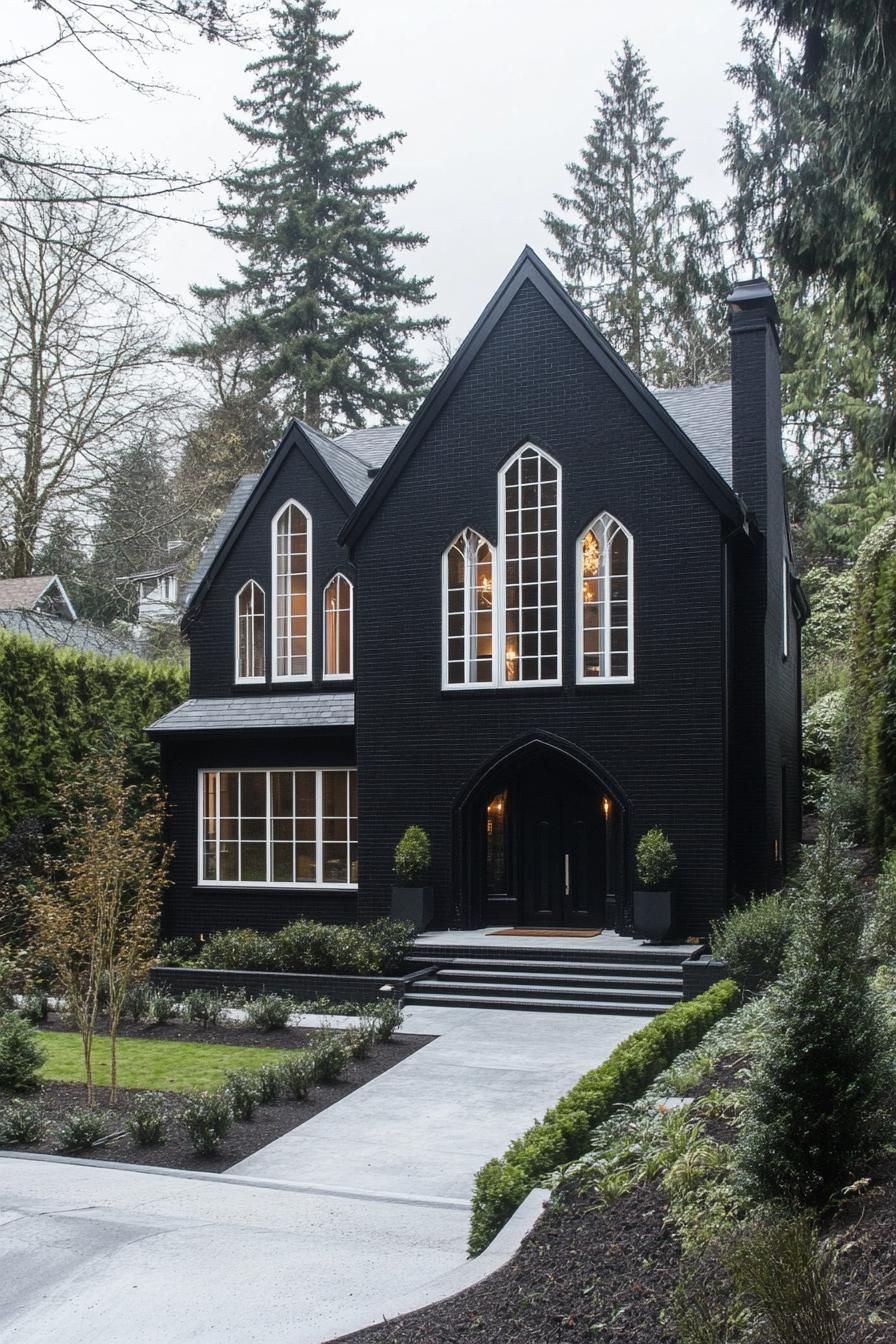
327, 710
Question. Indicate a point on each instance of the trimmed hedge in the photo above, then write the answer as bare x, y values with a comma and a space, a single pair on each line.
564, 1133
378, 948
56, 705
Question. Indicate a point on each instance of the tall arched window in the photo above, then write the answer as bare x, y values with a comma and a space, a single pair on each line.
292, 566
338, 627
250, 633
605, 635
468, 582
530, 522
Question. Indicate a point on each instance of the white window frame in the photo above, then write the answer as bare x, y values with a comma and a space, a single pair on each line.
501, 585
249, 681
319, 772
603, 520
340, 676
275, 615
466, 684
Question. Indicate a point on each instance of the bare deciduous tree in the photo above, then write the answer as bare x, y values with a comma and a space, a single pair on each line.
79, 364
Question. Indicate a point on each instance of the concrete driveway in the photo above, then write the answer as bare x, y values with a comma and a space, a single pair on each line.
311, 1236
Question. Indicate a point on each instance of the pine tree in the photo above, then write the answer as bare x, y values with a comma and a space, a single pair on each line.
137, 520
323, 301
642, 255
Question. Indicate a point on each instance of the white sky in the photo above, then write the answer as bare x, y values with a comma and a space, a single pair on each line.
496, 96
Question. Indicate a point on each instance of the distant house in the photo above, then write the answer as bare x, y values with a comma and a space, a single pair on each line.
40, 608
158, 589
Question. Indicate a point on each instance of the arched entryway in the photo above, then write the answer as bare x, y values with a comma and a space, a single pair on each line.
541, 837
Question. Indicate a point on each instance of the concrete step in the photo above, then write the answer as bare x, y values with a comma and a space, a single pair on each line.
535, 1005
638, 954
525, 970
444, 984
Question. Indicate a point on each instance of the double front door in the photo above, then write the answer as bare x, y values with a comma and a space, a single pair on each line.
560, 861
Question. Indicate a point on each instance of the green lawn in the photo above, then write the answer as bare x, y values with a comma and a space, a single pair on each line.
162, 1066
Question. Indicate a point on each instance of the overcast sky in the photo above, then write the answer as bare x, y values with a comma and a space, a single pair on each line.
496, 96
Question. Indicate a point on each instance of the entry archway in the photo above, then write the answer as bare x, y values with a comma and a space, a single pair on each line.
542, 838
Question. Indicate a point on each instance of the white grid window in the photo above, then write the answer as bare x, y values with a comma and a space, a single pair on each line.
468, 596
279, 827
531, 572
250, 633
605, 602
338, 596
292, 555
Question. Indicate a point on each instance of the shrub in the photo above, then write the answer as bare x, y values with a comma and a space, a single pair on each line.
81, 1129
136, 1001
161, 1007
34, 1007
413, 855
148, 1123
9, 980
359, 1040
269, 1012
655, 860
387, 1017
824, 740
207, 1117
754, 938
298, 1074
22, 1122
243, 1093
238, 950
392, 941
268, 1083
204, 1006
881, 932
21, 1054
330, 1054
873, 678
563, 1134
818, 1103
176, 952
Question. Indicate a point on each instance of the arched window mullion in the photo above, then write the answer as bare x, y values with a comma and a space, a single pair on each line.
291, 567
339, 615
468, 617
530, 546
604, 643
249, 622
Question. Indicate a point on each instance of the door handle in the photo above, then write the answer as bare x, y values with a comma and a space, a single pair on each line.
566, 874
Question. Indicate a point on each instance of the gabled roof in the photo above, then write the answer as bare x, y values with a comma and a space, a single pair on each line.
81, 636
28, 595
239, 713
704, 414
323, 455
529, 269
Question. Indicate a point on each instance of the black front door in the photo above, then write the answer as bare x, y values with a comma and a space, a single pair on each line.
560, 851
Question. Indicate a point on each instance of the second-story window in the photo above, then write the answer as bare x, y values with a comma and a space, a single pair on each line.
605, 628
468, 615
530, 503
338, 627
250, 633
292, 566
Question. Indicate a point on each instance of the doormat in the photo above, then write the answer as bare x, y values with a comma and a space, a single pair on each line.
544, 933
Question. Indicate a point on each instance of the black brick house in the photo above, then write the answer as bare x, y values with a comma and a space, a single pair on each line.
555, 610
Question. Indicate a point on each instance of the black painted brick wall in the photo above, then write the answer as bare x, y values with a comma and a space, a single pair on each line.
662, 739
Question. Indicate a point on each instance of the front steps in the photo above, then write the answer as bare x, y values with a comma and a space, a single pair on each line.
641, 982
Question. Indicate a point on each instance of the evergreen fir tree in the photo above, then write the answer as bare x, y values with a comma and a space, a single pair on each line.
642, 256
323, 299
136, 522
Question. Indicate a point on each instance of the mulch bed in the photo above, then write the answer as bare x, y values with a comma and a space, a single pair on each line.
269, 1122
590, 1272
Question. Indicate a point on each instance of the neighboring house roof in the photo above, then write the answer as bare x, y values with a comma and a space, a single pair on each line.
529, 269
327, 710
35, 592
66, 634
158, 573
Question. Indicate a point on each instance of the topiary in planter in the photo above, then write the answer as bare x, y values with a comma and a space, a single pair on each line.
655, 862
412, 901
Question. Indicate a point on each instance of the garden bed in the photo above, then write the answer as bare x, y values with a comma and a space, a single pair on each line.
245, 1045
294, 984
594, 1270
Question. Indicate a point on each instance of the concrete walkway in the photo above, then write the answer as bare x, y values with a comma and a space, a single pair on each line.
311, 1236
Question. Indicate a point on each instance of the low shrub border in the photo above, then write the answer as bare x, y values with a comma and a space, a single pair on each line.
563, 1134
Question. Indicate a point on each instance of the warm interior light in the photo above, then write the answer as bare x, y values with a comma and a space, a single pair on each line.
510, 658
590, 555
605, 804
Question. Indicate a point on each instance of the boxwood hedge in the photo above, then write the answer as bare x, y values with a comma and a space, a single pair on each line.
563, 1134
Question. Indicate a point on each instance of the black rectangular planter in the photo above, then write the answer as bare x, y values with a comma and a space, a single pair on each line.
296, 984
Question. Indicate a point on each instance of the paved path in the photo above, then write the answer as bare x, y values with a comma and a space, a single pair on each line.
307, 1238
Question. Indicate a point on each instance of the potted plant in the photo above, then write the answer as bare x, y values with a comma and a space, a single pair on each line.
411, 900
655, 862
